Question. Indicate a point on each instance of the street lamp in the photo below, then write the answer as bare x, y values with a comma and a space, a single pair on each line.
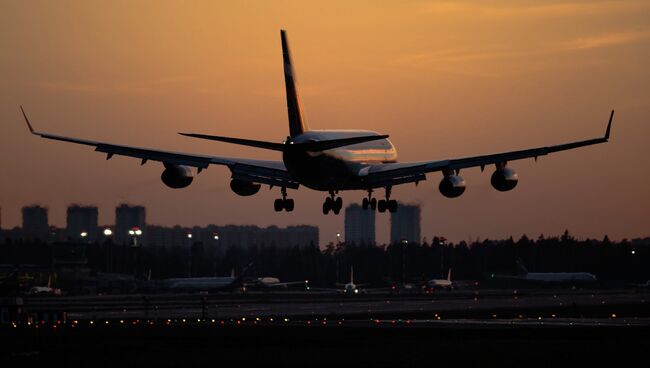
338, 238
135, 232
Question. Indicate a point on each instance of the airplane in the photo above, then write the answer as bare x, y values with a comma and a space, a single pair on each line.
268, 283
441, 283
228, 283
44, 290
553, 277
351, 287
325, 160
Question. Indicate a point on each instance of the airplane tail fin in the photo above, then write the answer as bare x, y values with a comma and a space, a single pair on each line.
521, 269
449, 275
297, 123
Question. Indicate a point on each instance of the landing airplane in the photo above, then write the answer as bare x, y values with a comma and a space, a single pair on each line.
325, 160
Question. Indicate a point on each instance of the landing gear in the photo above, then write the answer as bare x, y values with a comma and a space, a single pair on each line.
283, 203
332, 203
387, 204
369, 202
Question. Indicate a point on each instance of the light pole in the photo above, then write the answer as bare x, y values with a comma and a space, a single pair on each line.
189, 251
108, 233
135, 232
404, 245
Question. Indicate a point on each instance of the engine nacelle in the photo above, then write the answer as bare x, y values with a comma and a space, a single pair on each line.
452, 186
504, 179
177, 176
244, 188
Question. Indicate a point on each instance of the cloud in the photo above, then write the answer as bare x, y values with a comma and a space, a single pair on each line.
605, 40
534, 9
143, 86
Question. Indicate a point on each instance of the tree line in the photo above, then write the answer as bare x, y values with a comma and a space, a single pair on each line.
613, 261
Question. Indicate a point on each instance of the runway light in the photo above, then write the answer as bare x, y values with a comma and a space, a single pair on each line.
108, 232
613, 315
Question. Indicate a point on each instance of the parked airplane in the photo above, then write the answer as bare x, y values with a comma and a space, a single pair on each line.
325, 160
44, 290
268, 283
351, 287
553, 277
441, 283
228, 283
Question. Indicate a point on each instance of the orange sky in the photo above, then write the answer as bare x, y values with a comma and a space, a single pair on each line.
444, 79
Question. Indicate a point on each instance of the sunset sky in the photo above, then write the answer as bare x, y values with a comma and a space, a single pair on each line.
444, 79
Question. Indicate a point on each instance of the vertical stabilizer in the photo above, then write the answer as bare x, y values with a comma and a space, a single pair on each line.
297, 123
521, 269
449, 275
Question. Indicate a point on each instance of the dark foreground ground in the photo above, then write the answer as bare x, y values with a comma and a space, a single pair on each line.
356, 344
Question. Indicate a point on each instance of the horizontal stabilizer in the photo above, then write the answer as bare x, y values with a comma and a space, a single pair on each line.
306, 146
244, 142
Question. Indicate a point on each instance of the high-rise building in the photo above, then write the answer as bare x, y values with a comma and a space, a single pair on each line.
82, 223
405, 224
359, 225
129, 219
35, 225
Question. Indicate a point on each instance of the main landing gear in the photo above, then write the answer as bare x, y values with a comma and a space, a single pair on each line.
332, 203
283, 203
381, 205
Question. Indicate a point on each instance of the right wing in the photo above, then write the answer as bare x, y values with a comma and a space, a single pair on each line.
256, 171
399, 173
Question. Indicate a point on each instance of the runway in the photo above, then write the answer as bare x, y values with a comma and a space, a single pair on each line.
617, 305
507, 327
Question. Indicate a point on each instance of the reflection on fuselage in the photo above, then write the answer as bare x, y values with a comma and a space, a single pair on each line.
336, 168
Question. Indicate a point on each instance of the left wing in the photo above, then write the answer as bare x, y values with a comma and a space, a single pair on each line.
256, 171
400, 173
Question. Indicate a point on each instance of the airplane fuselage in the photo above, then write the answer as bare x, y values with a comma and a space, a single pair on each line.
338, 168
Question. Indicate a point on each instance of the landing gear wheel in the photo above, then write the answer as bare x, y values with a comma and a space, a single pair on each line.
381, 205
288, 204
365, 203
278, 205
338, 204
327, 205
392, 206
373, 204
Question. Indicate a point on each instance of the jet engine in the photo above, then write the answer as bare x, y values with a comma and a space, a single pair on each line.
177, 176
504, 179
244, 188
452, 186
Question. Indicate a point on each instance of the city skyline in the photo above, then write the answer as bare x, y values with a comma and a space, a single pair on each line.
408, 71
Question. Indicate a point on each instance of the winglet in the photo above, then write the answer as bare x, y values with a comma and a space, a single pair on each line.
31, 129
609, 125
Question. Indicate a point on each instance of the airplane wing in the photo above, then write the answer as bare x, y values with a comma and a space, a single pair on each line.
399, 173
256, 171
